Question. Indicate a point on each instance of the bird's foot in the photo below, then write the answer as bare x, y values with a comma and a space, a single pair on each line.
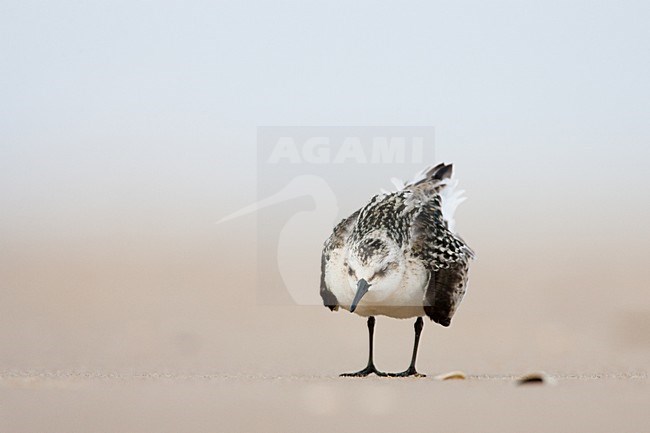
408, 372
365, 372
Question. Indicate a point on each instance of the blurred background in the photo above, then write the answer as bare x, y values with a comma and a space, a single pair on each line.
127, 129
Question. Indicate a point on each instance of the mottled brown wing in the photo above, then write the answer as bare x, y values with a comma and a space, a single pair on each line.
446, 257
445, 291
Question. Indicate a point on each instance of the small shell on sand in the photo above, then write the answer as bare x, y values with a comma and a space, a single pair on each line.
539, 378
452, 375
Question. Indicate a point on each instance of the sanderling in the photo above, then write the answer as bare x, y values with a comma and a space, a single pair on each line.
399, 256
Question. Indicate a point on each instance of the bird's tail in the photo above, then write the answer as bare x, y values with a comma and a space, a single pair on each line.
438, 180
433, 175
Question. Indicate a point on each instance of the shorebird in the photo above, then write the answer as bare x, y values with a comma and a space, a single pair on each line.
399, 256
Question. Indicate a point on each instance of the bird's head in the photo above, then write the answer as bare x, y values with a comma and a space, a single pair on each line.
375, 266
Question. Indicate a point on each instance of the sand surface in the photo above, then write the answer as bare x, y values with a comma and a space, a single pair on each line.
276, 369
140, 334
150, 402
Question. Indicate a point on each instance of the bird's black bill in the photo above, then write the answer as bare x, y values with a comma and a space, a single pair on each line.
362, 289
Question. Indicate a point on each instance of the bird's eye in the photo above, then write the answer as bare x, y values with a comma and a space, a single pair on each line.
380, 273
351, 271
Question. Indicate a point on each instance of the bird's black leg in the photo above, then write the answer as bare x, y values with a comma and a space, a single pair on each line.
419, 324
370, 368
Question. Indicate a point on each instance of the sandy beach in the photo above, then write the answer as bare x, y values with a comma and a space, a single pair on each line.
72, 402
268, 374
170, 170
